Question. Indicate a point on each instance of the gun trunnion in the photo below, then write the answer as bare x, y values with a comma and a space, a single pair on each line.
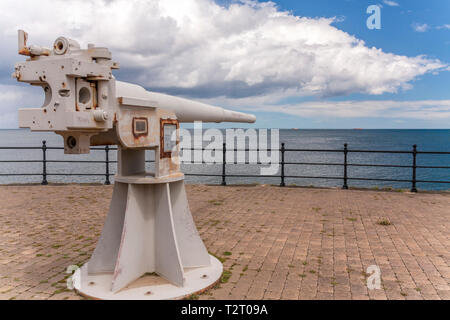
149, 227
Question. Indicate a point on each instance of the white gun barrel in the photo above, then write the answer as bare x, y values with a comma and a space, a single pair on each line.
185, 110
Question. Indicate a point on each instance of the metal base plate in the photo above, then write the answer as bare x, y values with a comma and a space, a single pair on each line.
148, 287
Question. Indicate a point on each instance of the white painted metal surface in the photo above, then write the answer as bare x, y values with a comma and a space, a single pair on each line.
149, 229
192, 250
185, 110
149, 247
105, 254
148, 287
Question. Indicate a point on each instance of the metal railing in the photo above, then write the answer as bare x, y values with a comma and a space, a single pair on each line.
223, 175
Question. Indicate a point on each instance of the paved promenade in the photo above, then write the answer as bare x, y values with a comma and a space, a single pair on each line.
276, 243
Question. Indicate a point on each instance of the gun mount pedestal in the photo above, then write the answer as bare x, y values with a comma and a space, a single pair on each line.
149, 236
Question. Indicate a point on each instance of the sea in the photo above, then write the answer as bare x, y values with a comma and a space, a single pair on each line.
394, 140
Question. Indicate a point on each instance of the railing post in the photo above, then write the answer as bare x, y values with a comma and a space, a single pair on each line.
345, 186
44, 163
224, 162
282, 184
107, 182
414, 167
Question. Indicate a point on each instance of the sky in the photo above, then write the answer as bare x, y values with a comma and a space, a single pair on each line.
294, 64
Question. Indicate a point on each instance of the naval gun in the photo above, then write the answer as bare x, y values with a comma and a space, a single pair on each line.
149, 228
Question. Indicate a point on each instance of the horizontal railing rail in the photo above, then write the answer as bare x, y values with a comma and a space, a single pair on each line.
224, 174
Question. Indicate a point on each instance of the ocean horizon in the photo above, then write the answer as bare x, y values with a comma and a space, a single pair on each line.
437, 140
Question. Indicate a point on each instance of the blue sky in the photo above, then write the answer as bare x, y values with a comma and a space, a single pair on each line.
397, 35
301, 64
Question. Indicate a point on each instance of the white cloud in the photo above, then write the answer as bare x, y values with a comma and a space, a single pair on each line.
391, 3
421, 27
13, 97
445, 26
421, 109
198, 48
248, 55
428, 110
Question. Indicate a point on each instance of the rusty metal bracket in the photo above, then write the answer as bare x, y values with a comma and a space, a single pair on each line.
167, 153
140, 127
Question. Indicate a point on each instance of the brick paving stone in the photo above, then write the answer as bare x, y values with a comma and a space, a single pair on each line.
285, 243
